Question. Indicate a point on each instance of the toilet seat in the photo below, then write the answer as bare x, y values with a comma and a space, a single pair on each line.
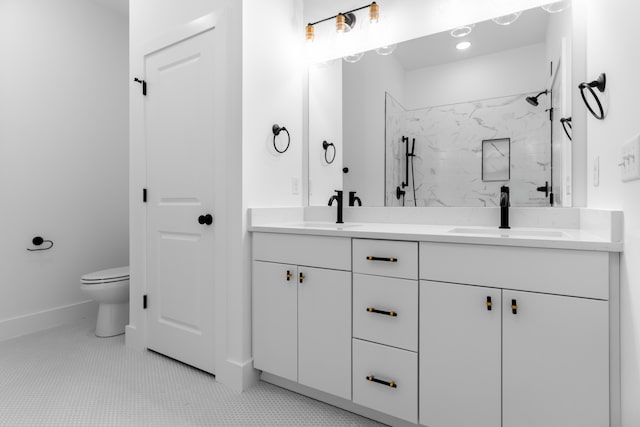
111, 275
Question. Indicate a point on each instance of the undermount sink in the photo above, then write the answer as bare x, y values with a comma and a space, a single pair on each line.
326, 225
511, 232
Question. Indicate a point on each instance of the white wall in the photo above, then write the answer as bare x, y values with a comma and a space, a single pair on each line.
612, 48
63, 155
506, 73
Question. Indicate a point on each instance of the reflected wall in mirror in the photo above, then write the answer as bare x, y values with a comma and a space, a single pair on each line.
408, 126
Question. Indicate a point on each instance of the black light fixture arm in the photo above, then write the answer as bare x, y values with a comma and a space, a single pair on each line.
600, 83
341, 13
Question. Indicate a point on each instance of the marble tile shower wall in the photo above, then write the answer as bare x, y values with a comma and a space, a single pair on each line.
448, 152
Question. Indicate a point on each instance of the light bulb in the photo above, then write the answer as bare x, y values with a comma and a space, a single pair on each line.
463, 45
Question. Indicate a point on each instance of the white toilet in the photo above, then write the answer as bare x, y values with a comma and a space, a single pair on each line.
110, 289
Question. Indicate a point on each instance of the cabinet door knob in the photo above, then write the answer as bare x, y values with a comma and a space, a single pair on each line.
289, 275
388, 313
205, 219
489, 303
377, 258
301, 277
514, 307
373, 379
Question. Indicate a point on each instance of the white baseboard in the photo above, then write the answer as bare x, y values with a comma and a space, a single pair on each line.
239, 376
34, 322
133, 338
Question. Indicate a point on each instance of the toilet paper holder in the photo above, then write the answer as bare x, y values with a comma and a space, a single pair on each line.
37, 241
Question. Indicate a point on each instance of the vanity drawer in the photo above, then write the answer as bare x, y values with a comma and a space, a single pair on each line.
389, 366
553, 271
312, 251
395, 319
386, 258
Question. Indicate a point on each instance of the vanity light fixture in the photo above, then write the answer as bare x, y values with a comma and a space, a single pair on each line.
557, 6
463, 45
462, 31
507, 19
345, 21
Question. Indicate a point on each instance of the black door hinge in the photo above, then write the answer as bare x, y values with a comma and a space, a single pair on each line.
144, 302
144, 195
144, 85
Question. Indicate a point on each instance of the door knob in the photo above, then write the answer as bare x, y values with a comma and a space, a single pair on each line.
205, 219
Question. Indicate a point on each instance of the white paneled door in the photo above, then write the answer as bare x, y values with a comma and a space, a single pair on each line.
181, 149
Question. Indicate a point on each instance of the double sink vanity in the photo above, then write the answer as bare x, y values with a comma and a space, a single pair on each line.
410, 323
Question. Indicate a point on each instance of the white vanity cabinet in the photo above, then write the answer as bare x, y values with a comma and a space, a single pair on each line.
495, 351
302, 310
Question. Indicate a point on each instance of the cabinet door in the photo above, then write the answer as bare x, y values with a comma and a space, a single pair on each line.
555, 361
324, 330
275, 319
459, 355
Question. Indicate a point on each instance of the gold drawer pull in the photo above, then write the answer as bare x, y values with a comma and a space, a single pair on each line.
391, 384
489, 303
388, 313
289, 275
301, 277
377, 258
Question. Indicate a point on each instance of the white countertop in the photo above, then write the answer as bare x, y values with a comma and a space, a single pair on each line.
518, 236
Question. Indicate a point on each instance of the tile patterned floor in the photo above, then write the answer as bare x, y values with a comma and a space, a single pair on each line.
67, 377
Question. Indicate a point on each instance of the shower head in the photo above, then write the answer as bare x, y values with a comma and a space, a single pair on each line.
533, 100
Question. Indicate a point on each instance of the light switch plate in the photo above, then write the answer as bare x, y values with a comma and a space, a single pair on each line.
596, 171
630, 164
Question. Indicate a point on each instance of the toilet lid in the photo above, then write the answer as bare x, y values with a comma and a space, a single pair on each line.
106, 276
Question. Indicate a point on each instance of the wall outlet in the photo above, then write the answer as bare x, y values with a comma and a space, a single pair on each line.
596, 171
630, 164
295, 185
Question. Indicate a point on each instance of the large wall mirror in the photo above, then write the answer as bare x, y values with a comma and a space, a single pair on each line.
427, 123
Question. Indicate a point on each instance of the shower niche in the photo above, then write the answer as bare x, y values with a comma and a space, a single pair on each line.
411, 125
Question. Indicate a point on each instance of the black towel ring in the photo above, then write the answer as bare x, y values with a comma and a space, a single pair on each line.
600, 83
37, 241
276, 131
566, 125
326, 146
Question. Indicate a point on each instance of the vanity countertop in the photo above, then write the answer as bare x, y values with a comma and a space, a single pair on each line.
556, 238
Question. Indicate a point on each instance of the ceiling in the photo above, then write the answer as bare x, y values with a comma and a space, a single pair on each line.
487, 37
119, 6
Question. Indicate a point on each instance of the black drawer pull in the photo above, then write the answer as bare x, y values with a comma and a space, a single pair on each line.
301, 278
377, 258
489, 303
289, 275
391, 384
388, 313
514, 306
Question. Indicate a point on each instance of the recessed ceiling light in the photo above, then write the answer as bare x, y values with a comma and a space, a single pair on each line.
463, 45
386, 50
556, 7
355, 57
465, 30
507, 19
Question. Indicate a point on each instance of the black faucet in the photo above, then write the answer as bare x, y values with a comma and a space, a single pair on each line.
504, 207
337, 197
353, 199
